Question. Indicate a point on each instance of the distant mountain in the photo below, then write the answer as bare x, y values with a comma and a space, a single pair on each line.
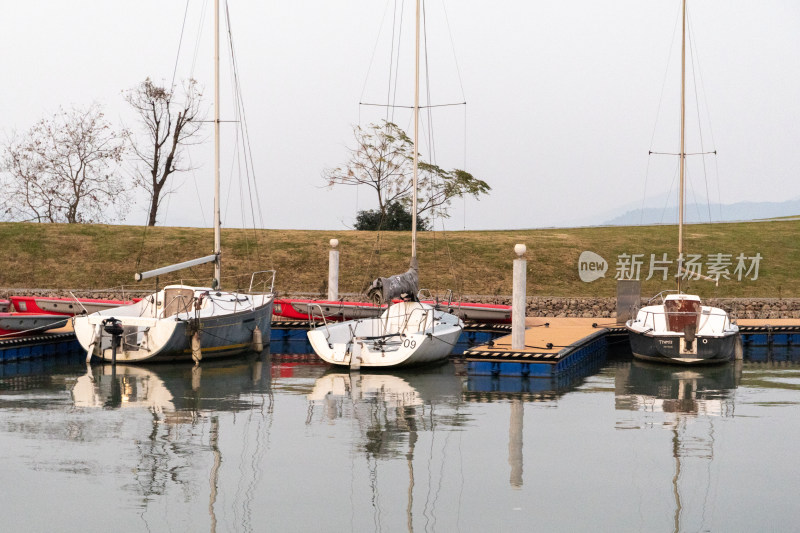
696, 213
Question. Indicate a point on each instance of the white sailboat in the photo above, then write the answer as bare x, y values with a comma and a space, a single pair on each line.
680, 329
406, 333
183, 322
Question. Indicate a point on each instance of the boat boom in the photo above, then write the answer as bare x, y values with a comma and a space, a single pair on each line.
139, 276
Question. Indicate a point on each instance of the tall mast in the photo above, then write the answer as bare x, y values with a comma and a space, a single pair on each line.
682, 154
217, 236
416, 133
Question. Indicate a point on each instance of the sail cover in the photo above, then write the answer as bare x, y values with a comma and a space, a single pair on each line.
403, 286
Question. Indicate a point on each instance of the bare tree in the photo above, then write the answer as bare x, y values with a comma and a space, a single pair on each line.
63, 170
383, 159
169, 125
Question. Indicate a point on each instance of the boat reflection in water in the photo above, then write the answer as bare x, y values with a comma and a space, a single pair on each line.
686, 402
188, 417
390, 408
391, 413
173, 389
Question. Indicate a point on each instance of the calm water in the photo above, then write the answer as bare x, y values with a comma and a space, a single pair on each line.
285, 444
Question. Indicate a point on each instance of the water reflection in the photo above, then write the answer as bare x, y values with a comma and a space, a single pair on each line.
184, 441
674, 389
389, 408
250, 443
685, 401
179, 392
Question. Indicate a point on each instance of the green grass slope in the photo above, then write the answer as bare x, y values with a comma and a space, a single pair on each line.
63, 256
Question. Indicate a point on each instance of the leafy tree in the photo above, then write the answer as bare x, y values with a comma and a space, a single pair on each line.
396, 218
64, 170
383, 161
169, 124
438, 187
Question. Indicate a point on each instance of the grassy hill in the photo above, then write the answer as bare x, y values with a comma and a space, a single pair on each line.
63, 256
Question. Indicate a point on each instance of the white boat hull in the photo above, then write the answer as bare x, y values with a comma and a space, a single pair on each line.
711, 339
152, 333
407, 334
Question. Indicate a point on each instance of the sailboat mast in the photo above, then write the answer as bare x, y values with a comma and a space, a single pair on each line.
416, 134
682, 154
217, 236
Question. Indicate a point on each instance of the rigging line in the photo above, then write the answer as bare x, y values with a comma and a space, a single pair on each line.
144, 235
391, 61
695, 69
234, 162
711, 134
457, 279
644, 191
197, 190
236, 159
389, 88
199, 37
464, 197
453, 48
431, 145
180, 42
664, 81
368, 104
694, 193
374, 50
252, 187
669, 192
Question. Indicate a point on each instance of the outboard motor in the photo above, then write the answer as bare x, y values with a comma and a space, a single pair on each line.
689, 335
113, 327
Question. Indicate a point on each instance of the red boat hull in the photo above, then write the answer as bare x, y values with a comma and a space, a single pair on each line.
63, 306
298, 309
12, 324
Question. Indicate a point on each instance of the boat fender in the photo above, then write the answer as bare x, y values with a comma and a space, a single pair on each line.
258, 343
93, 342
197, 349
192, 326
738, 348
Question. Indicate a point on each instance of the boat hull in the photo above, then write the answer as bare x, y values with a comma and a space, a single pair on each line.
63, 306
683, 331
170, 339
672, 348
342, 310
389, 341
29, 323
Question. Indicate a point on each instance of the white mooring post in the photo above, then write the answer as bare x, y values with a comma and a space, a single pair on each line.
333, 271
518, 300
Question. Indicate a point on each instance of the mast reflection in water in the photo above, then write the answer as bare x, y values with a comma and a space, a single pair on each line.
691, 399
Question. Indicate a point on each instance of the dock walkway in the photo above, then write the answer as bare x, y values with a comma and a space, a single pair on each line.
555, 345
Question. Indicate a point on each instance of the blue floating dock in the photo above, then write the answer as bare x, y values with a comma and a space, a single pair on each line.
46, 345
553, 346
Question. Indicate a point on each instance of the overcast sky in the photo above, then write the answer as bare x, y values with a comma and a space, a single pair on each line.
563, 97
